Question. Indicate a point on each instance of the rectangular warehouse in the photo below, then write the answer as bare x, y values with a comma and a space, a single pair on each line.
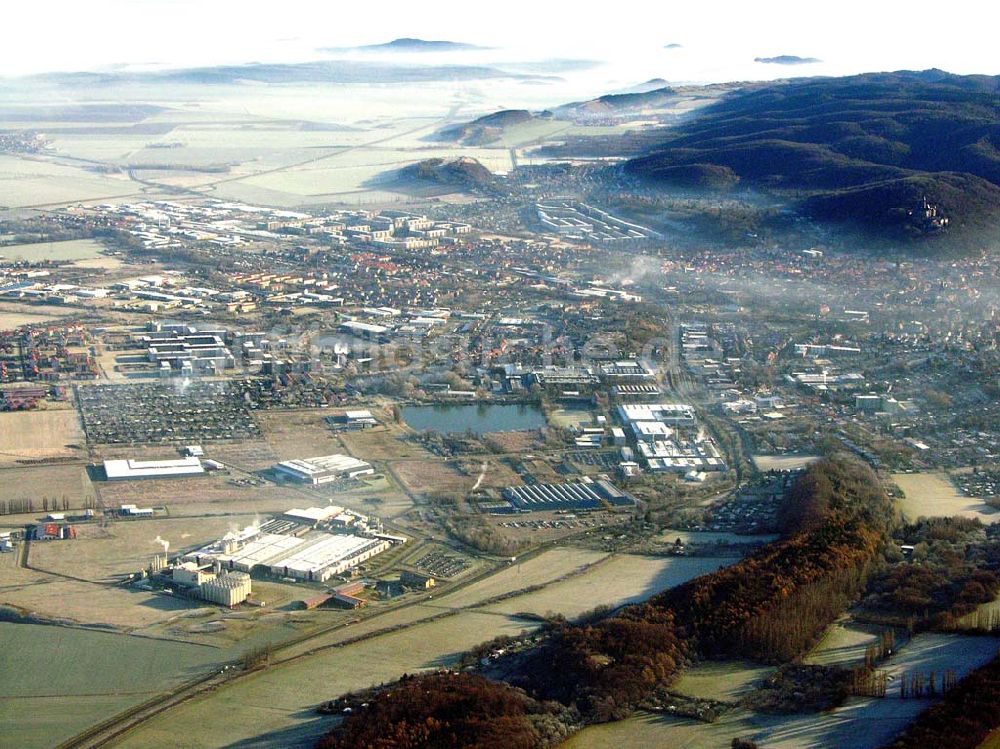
124, 470
328, 556
593, 495
260, 551
324, 469
677, 414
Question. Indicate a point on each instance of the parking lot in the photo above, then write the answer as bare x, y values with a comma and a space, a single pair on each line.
440, 564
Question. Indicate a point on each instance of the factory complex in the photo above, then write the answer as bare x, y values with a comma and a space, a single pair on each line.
205, 582
667, 441
311, 545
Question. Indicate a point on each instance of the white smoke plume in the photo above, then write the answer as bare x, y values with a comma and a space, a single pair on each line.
482, 475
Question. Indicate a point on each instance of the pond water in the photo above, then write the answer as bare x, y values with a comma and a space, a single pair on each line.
479, 418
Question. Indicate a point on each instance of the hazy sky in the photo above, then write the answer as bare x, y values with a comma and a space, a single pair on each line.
720, 38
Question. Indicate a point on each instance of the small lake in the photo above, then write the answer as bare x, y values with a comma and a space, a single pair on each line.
480, 418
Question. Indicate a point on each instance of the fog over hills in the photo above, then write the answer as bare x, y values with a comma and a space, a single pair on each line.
862, 149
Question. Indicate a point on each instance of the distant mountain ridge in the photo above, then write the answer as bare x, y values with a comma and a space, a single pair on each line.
323, 71
486, 129
787, 60
620, 102
411, 44
861, 149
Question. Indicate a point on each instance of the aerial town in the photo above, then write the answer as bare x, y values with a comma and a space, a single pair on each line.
317, 434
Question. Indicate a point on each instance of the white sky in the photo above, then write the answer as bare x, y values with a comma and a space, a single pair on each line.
720, 38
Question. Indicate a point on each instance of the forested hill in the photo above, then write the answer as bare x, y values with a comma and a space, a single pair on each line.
863, 149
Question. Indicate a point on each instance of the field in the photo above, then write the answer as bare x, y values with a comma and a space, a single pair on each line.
434, 476
283, 146
48, 701
933, 495
859, 724
727, 681
382, 443
570, 418
301, 433
614, 582
66, 599
619, 580
843, 644
73, 249
36, 182
274, 707
46, 481
11, 320
40, 434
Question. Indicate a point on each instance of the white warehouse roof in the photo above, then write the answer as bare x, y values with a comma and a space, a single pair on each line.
315, 514
148, 469
314, 557
325, 465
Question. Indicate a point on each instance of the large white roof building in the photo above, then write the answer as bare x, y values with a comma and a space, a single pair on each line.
324, 469
121, 470
680, 414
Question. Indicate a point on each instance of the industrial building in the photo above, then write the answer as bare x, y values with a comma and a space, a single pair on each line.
259, 551
675, 456
324, 469
629, 369
322, 558
228, 589
189, 350
126, 470
636, 391
416, 580
676, 414
584, 495
353, 420
304, 544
